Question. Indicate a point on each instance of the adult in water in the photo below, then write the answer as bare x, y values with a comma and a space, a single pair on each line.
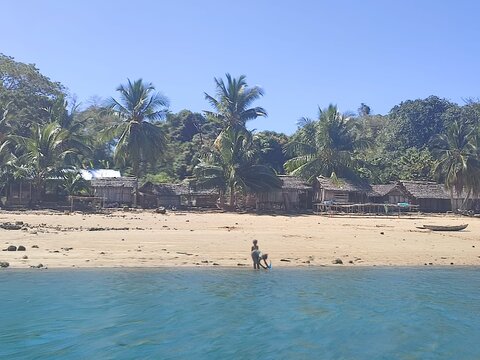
257, 258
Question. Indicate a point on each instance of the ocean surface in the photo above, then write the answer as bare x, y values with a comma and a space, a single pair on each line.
323, 313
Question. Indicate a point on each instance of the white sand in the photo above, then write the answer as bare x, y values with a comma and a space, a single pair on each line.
223, 239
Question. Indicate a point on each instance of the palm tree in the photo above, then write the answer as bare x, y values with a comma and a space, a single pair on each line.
232, 167
323, 146
75, 127
42, 154
232, 102
139, 140
74, 183
458, 162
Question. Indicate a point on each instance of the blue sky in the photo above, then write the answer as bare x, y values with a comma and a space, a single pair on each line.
303, 53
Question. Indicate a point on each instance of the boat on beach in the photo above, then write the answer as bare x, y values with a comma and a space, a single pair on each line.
445, 227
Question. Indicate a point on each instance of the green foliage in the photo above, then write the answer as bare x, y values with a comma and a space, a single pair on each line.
42, 153
458, 157
270, 149
232, 166
41, 134
323, 146
26, 93
74, 184
232, 102
159, 178
414, 123
139, 140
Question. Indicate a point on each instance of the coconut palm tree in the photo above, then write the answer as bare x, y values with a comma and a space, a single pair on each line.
42, 154
69, 121
458, 163
232, 167
140, 141
323, 146
232, 102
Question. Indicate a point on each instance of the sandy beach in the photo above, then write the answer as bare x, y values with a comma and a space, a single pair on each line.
175, 239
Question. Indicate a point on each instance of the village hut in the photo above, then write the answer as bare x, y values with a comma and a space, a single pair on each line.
18, 194
201, 198
340, 191
23, 193
295, 194
176, 195
161, 195
116, 190
431, 196
393, 193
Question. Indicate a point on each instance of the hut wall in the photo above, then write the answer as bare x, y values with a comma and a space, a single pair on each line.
121, 195
18, 193
356, 197
286, 199
396, 196
208, 201
168, 200
434, 205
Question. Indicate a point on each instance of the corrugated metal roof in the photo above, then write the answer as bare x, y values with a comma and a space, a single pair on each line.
89, 174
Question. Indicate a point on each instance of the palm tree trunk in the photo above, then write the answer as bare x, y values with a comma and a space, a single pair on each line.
452, 201
467, 197
232, 196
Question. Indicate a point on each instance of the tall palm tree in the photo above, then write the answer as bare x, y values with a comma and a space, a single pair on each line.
232, 167
323, 146
232, 102
42, 154
458, 161
69, 121
139, 140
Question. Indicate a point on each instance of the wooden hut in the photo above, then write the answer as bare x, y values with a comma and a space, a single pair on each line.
18, 193
295, 194
166, 195
201, 198
176, 195
429, 196
393, 193
119, 190
340, 191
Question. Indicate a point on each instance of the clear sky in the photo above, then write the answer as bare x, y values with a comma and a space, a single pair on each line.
303, 53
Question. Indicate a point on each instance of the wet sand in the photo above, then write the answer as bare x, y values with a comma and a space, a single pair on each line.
176, 239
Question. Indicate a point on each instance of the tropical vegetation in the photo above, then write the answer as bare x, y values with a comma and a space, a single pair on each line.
45, 135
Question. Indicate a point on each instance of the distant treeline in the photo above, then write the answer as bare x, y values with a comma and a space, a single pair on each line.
42, 134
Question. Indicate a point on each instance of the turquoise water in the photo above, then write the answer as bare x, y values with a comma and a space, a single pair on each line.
371, 313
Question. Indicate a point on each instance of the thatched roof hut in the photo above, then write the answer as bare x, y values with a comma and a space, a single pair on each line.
176, 195
120, 190
340, 191
393, 193
294, 194
430, 196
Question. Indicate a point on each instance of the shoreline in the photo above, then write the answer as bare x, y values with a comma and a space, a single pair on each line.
215, 240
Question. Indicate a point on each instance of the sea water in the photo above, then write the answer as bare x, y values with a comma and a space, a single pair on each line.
322, 313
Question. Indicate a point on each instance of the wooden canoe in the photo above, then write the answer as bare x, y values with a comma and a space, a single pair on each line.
445, 227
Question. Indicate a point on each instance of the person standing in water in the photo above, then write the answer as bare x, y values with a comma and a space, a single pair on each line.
257, 257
